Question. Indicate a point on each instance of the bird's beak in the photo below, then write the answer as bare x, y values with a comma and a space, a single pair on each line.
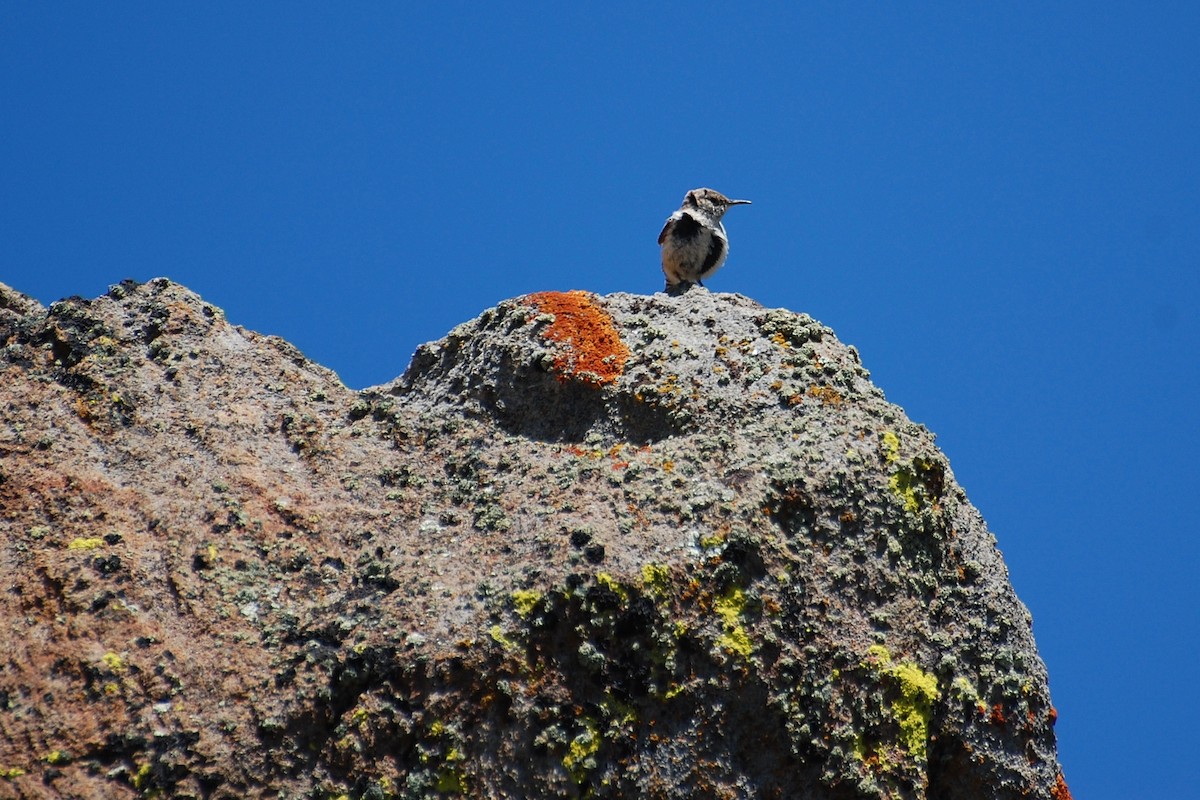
739, 202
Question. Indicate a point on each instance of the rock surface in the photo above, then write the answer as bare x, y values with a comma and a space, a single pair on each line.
619, 546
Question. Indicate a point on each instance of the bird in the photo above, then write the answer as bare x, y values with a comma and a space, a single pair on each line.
694, 242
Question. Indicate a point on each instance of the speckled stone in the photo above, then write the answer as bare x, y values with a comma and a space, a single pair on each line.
619, 546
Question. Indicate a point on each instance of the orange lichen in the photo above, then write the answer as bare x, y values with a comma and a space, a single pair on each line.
590, 348
826, 394
1060, 790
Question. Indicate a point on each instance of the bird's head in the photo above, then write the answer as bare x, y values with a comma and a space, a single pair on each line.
710, 202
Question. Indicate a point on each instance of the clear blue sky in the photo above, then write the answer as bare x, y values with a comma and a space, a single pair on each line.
998, 205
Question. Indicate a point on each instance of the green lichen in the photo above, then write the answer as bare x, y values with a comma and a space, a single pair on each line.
113, 661
8, 773
491, 517
962, 689
729, 607
913, 707
450, 781
525, 601
617, 712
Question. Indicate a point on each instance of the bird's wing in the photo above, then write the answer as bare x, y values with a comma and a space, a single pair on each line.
716, 251
682, 224
666, 227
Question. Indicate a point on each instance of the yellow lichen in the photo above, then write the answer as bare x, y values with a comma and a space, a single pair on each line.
140, 777
612, 584
525, 601
656, 578
902, 484
736, 640
86, 543
578, 759
913, 707
113, 661
729, 608
891, 447
497, 634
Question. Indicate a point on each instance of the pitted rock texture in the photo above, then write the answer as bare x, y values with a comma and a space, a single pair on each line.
619, 546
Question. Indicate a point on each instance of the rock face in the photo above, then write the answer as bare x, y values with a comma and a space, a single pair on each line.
585, 546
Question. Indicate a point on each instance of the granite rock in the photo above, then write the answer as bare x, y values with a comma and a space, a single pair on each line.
620, 546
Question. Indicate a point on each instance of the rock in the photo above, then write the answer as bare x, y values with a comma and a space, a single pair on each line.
617, 546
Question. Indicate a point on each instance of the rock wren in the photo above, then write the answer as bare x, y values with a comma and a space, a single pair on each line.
694, 244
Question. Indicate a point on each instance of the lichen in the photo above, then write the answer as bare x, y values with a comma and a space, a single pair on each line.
918, 483
827, 395
525, 601
498, 636
141, 778
656, 578
964, 690
580, 756
902, 485
913, 706
891, 447
450, 781
86, 543
612, 584
590, 349
729, 607
1060, 790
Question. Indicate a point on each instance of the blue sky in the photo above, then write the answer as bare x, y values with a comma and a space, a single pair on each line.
998, 204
